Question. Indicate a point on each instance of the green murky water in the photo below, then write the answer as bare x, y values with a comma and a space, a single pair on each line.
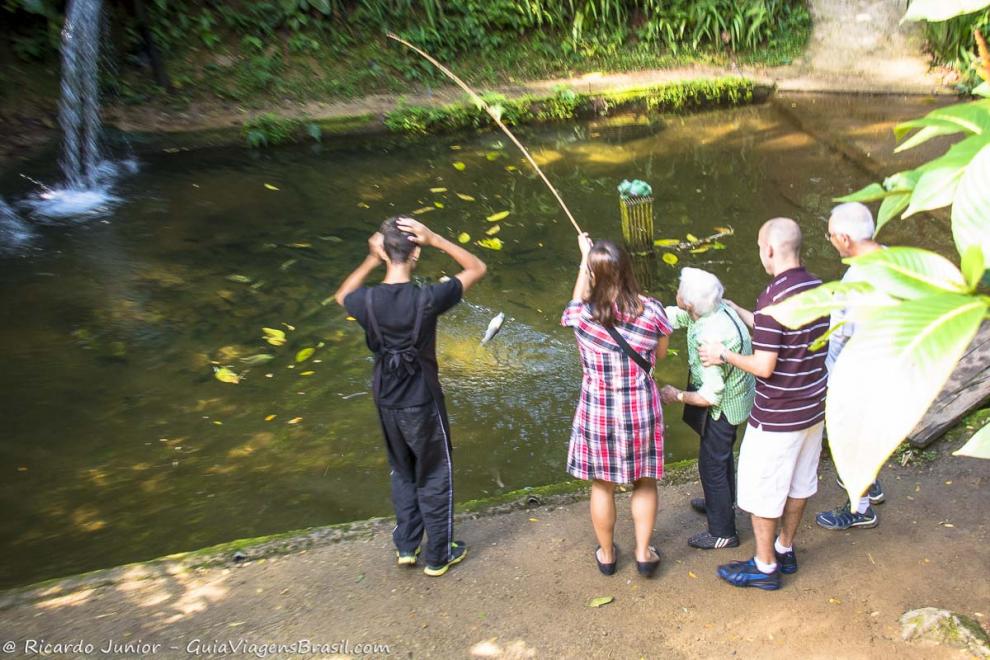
119, 444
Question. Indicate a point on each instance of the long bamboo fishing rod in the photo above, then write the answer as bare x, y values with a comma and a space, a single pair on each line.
496, 116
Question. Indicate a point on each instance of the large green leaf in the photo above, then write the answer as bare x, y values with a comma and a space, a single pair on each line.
973, 265
971, 117
978, 445
887, 376
930, 128
870, 193
891, 207
983, 89
809, 306
907, 272
971, 209
940, 178
941, 10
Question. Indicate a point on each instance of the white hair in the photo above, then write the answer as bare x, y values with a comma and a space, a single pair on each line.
700, 290
854, 220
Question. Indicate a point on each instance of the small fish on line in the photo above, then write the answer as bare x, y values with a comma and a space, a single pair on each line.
493, 327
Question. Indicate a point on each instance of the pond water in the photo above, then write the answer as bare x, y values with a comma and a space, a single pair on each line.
119, 443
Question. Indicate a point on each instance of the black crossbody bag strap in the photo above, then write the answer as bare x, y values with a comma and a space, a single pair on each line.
630, 353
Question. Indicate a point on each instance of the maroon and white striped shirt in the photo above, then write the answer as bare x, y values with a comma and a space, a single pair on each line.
793, 397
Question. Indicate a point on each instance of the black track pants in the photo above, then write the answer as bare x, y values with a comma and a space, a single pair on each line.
419, 450
718, 475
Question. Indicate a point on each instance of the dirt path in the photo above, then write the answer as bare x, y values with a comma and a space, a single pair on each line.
523, 590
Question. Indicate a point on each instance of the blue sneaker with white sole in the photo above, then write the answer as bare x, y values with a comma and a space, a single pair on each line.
746, 574
875, 491
845, 518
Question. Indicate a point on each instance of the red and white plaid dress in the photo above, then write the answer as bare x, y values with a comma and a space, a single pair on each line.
617, 435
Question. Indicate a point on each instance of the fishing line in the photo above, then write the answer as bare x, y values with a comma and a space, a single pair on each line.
496, 117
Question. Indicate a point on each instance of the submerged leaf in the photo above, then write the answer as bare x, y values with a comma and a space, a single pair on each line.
363, 205
491, 243
669, 258
425, 209
463, 237
495, 217
269, 418
466, 198
459, 166
667, 242
724, 230
243, 279
491, 155
270, 186
255, 360
439, 205
305, 353
493, 230
274, 336
295, 420
438, 190
600, 600
225, 375
511, 168
307, 373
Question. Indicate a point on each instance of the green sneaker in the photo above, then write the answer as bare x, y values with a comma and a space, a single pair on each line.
406, 558
458, 551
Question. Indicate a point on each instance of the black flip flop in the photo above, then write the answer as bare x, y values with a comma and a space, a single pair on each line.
649, 568
607, 569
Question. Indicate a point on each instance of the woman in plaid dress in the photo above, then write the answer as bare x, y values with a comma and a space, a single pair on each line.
617, 435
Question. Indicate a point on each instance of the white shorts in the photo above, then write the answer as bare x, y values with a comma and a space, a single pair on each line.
774, 466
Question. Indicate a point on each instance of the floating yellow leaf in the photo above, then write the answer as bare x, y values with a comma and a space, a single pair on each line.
455, 147
692, 238
217, 422
425, 209
463, 237
300, 245
724, 230
351, 318
304, 354
270, 417
295, 420
241, 279
703, 248
439, 205
493, 230
290, 327
459, 166
667, 242
270, 186
363, 205
510, 168
601, 600
438, 190
491, 155
466, 198
491, 243
307, 373
669, 258
274, 336
225, 375
495, 217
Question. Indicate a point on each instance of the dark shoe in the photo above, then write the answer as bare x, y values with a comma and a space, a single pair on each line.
607, 569
458, 551
706, 541
875, 491
649, 568
698, 504
844, 518
746, 574
786, 562
406, 558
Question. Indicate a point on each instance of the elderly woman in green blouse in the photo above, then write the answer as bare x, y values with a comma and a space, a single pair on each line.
718, 398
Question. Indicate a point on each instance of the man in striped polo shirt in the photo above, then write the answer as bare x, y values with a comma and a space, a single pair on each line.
778, 460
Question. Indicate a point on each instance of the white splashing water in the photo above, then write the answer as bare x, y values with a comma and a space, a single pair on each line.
14, 233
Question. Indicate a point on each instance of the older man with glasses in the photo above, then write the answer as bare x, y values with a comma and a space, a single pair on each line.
717, 400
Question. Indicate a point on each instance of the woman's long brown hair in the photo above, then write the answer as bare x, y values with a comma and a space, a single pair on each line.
613, 285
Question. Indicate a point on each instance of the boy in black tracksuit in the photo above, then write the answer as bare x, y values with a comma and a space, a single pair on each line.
400, 322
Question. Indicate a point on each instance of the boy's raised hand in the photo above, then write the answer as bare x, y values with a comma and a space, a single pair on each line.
421, 234
376, 246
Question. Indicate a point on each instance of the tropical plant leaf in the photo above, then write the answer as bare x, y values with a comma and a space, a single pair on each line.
907, 272
978, 446
973, 266
940, 178
971, 209
870, 193
822, 341
930, 128
970, 117
941, 10
983, 89
803, 308
887, 376
891, 207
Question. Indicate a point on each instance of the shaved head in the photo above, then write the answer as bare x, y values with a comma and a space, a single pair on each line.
783, 235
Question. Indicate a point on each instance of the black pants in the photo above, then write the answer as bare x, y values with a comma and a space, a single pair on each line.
419, 449
718, 475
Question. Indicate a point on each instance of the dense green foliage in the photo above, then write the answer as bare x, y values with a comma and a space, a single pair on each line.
951, 42
240, 50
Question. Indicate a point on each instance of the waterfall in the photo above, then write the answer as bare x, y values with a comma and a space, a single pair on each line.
13, 232
79, 107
